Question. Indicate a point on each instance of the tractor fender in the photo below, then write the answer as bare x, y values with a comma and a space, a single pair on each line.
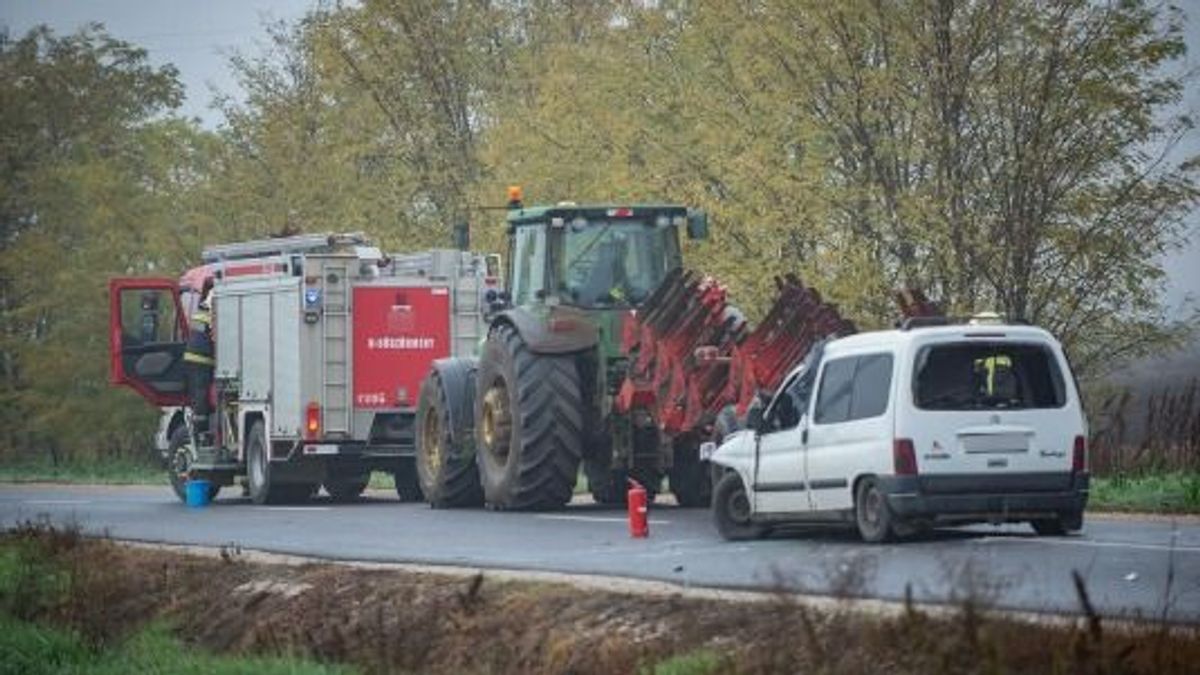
561, 330
458, 383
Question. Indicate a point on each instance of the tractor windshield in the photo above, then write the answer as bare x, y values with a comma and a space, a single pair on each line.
606, 263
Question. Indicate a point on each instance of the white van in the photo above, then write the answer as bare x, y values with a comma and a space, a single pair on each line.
897, 430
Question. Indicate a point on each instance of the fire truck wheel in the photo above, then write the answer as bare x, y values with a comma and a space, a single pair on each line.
263, 490
179, 458
408, 484
731, 510
347, 488
528, 423
445, 467
689, 477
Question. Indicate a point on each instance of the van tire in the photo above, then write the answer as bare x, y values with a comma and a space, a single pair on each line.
1049, 527
731, 510
876, 523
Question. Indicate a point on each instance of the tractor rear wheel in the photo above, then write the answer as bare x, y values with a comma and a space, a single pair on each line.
446, 469
528, 424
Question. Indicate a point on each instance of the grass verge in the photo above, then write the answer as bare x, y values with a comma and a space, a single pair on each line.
109, 472
1176, 492
100, 607
34, 649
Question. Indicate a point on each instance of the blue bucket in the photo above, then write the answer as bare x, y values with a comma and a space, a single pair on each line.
197, 493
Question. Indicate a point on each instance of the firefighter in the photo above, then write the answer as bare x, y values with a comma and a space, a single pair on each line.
198, 365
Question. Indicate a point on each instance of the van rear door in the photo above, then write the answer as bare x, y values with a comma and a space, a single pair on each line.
992, 406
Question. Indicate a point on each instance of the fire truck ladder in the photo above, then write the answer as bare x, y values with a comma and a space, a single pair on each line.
335, 352
262, 248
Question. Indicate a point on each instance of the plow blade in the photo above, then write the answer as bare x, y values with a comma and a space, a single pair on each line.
691, 354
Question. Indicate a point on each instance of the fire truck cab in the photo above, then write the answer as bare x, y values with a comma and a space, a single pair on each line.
321, 345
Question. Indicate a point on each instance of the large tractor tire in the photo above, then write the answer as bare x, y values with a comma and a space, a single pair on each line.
529, 424
260, 478
688, 476
446, 470
179, 463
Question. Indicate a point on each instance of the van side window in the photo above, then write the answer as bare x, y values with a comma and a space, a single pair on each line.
854, 388
833, 402
791, 403
872, 383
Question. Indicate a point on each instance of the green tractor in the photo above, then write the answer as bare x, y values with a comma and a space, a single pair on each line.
511, 428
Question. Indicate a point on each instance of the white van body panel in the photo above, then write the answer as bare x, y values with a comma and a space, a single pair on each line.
1003, 454
1021, 440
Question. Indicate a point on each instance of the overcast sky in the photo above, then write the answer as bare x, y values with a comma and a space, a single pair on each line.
199, 35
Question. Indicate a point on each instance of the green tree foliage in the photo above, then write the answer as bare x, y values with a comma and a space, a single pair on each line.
93, 186
999, 154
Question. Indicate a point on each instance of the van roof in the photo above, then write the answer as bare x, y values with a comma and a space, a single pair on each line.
900, 339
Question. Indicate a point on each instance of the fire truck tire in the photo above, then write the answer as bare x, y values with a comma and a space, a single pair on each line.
689, 477
445, 466
179, 458
347, 488
529, 411
731, 510
408, 485
264, 490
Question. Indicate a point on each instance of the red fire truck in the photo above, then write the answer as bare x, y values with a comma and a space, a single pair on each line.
321, 345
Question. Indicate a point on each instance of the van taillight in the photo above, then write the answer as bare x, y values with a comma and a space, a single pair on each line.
1079, 455
904, 457
312, 421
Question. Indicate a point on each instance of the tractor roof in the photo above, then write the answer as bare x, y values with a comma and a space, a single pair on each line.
533, 214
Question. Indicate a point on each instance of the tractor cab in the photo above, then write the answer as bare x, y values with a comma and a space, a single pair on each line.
594, 257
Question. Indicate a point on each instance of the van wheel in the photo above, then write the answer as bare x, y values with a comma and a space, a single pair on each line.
1049, 527
871, 513
731, 510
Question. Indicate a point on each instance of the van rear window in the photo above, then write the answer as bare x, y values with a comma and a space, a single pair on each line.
986, 376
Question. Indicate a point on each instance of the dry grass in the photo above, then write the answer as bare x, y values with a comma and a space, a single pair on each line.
388, 621
1156, 433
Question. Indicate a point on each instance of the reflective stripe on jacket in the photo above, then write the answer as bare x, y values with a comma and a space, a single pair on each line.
199, 344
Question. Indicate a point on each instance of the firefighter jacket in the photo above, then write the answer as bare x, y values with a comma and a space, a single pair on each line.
200, 344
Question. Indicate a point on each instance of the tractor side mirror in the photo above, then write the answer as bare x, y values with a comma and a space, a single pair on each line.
697, 224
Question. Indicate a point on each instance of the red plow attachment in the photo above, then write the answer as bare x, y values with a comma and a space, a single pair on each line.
692, 354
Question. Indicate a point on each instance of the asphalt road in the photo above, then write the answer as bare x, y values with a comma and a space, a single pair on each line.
1125, 562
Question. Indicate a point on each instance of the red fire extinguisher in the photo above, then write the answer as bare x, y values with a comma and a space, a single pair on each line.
639, 523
